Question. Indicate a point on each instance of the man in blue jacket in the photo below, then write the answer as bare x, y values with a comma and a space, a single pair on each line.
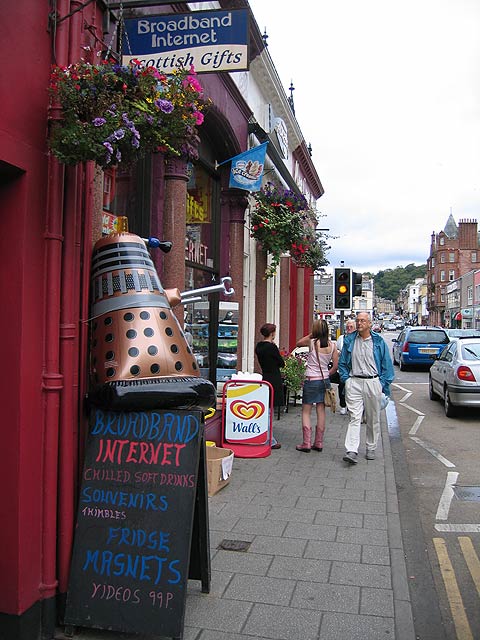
366, 369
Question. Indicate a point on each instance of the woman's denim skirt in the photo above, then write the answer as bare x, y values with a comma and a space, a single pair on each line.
314, 391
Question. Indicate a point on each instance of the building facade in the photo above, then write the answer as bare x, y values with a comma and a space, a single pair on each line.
454, 251
52, 215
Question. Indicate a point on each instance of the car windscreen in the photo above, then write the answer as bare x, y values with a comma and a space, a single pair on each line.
471, 351
432, 336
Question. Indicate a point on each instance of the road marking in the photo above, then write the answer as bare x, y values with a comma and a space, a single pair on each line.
471, 558
446, 497
399, 387
407, 406
416, 425
405, 397
458, 528
434, 453
460, 620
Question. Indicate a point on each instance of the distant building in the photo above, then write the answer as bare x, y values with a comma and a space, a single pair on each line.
453, 252
323, 297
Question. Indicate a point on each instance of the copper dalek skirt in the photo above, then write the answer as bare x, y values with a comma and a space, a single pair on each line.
140, 358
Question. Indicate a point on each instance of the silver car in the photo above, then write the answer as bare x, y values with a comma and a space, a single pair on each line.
455, 375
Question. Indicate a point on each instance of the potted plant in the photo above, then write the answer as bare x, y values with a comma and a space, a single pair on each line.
294, 373
116, 114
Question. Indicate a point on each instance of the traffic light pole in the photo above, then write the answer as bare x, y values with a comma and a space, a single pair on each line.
342, 321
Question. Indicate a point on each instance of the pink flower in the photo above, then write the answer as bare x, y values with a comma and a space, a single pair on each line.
199, 118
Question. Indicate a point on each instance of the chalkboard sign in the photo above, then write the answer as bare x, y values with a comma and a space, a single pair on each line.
132, 544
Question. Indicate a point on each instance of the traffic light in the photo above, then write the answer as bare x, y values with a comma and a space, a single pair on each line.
356, 284
342, 288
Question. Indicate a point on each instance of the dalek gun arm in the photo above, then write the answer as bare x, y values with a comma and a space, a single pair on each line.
193, 295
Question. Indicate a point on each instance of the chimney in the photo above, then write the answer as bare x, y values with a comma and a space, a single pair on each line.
467, 234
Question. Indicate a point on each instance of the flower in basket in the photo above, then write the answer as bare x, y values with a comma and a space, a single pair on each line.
276, 221
113, 113
294, 372
309, 252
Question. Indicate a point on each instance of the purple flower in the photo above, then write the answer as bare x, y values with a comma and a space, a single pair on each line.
108, 146
135, 142
118, 155
119, 134
98, 122
164, 105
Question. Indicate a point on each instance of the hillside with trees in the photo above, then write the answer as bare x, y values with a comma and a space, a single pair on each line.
388, 283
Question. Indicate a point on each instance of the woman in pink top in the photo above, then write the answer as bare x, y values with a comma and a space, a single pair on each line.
322, 352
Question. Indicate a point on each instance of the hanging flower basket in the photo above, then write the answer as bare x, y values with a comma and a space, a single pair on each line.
282, 221
115, 114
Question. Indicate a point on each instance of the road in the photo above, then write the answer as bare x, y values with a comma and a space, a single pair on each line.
438, 478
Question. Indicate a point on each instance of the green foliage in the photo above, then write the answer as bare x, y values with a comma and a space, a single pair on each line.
390, 282
282, 221
294, 372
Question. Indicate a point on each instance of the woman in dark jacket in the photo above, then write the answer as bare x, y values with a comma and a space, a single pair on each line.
271, 361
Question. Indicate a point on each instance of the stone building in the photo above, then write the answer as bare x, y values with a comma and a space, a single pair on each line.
453, 252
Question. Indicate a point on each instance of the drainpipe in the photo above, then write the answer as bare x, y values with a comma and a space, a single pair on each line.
52, 380
69, 340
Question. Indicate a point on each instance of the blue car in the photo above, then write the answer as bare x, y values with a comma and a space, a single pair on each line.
415, 346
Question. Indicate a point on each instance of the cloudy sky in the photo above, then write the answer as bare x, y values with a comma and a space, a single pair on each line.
388, 95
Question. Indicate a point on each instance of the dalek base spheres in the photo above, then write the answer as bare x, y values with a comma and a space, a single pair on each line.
140, 358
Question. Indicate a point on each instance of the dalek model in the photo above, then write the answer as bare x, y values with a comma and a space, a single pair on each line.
140, 358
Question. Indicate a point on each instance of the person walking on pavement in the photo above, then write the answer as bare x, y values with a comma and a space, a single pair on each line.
366, 369
271, 361
350, 326
322, 352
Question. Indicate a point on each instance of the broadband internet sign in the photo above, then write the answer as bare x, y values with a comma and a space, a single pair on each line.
211, 41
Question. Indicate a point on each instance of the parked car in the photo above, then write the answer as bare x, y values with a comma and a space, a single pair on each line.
455, 375
416, 346
377, 327
463, 333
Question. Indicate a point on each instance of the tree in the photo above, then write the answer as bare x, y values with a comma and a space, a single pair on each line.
390, 282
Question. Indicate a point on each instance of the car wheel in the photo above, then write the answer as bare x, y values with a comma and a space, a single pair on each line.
450, 410
431, 392
402, 365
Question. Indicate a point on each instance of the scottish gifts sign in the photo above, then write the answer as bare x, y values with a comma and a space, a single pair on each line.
207, 40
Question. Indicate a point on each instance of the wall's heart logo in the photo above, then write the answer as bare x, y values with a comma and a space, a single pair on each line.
247, 410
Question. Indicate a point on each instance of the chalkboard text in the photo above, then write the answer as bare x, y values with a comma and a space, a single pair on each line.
146, 501
146, 425
138, 567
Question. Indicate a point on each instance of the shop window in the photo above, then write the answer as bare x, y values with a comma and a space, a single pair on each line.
126, 193
212, 326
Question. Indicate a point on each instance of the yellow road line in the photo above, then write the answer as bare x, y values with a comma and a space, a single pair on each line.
460, 620
471, 558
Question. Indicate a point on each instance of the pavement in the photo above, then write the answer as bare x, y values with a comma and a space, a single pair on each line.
323, 556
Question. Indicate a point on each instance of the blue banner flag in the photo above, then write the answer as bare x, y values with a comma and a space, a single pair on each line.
247, 169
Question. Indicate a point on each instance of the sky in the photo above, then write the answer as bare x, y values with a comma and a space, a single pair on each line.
387, 92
